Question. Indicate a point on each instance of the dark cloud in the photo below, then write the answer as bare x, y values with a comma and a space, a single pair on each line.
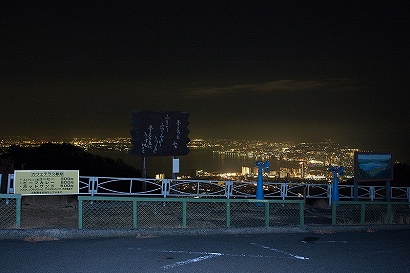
332, 85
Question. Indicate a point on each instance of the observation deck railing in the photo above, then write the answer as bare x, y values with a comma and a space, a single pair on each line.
94, 185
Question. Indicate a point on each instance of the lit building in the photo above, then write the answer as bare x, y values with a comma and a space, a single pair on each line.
246, 170
160, 176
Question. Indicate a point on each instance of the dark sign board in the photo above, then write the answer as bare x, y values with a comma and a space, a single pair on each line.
159, 133
373, 166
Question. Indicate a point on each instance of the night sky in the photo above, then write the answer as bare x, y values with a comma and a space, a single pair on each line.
264, 70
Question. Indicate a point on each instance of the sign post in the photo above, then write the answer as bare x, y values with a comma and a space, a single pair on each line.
370, 167
159, 134
175, 167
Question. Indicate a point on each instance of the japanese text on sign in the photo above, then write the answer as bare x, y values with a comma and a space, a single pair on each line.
30, 182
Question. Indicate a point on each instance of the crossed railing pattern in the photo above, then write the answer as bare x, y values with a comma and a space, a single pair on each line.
94, 185
231, 189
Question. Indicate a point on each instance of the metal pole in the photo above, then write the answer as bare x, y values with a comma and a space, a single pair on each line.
355, 190
259, 187
335, 189
144, 174
144, 167
388, 191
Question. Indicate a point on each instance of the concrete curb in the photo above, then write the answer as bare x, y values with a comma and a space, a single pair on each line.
67, 233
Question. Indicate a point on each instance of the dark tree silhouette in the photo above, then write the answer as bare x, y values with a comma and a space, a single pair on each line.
401, 175
66, 156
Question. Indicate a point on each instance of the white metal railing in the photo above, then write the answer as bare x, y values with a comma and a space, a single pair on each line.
400, 193
227, 189
346, 191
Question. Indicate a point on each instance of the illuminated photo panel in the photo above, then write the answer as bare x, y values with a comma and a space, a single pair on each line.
373, 166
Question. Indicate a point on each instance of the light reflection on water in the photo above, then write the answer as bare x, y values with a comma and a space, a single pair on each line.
197, 159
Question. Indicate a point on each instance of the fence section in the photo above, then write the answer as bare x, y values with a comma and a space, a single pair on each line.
225, 189
136, 212
10, 211
361, 212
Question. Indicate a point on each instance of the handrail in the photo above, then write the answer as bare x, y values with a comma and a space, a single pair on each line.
224, 189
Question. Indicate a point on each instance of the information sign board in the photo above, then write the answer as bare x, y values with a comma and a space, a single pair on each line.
159, 133
373, 166
46, 182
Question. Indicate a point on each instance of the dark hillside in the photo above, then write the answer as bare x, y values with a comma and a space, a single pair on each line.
65, 156
401, 177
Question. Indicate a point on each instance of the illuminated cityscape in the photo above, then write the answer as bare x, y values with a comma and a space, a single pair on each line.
289, 160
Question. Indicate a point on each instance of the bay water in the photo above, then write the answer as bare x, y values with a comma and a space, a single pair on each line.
197, 159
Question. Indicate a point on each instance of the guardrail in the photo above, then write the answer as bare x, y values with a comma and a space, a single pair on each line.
10, 211
137, 212
362, 212
225, 189
150, 212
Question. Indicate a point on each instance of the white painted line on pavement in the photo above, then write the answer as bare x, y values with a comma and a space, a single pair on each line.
283, 252
204, 256
342, 242
194, 260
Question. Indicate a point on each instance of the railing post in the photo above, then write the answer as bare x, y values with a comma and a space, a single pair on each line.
371, 193
389, 213
362, 213
130, 190
165, 186
18, 211
302, 213
184, 205
305, 192
228, 189
228, 213
267, 218
408, 194
388, 191
92, 181
10, 183
134, 214
283, 190
334, 212
80, 213
329, 194
95, 185
355, 190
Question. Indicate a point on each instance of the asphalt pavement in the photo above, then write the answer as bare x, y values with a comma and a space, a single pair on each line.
318, 250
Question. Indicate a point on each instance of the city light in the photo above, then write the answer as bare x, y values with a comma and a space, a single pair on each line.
293, 160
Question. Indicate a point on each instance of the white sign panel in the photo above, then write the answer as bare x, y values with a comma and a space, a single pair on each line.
175, 165
46, 182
